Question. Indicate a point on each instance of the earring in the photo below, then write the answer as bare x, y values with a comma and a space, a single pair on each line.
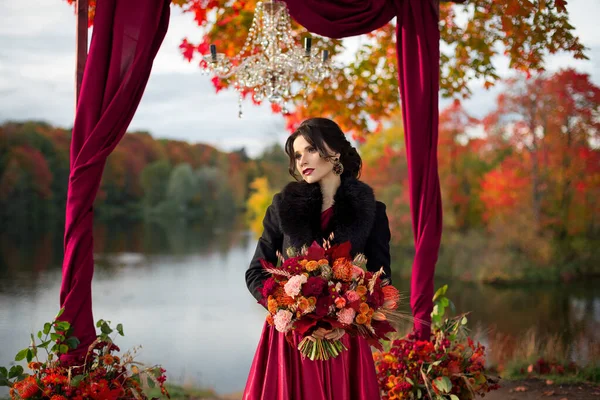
338, 167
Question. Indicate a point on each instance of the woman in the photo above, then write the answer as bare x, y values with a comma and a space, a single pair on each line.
328, 198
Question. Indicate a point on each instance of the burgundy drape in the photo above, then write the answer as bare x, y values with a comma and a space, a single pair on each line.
126, 37
418, 73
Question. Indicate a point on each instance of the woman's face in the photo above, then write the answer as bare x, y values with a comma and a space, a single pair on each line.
309, 162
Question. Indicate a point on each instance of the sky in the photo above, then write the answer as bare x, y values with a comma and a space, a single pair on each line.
37, 64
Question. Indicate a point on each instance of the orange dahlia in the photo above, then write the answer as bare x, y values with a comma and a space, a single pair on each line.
108, 359
282, 298
361, 290
272, 305
342, 269
34, 365
363, 308
303, 304
311, 266
27, 388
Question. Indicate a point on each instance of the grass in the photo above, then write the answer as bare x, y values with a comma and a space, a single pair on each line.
536, 355
585, 375
184, 393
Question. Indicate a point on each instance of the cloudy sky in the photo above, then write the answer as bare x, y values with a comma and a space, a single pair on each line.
37, 60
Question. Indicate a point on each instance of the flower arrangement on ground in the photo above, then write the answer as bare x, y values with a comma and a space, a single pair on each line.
102, 375
324, 287
450, 366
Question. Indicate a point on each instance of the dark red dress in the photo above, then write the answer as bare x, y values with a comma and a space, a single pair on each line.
278, 371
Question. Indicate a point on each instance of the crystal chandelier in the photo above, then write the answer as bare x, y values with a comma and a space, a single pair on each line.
271, 65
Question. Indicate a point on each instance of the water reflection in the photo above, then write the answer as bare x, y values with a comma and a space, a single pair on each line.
179, 290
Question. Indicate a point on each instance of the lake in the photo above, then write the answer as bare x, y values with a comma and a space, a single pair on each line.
179, 291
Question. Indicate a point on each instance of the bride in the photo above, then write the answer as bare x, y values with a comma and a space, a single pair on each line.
327, 198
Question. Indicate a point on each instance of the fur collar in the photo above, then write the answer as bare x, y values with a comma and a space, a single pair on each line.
353, 213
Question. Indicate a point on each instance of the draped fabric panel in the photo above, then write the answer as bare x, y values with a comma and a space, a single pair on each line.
125, 40
418, 76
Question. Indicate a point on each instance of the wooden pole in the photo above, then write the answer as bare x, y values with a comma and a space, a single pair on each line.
81, 46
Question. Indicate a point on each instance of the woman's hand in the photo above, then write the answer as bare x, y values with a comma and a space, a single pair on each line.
334, 334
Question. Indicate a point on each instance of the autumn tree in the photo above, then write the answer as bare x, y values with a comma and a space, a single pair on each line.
365, 92
554, 120
552, 174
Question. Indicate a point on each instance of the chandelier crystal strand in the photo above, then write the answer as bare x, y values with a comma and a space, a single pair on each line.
270, 63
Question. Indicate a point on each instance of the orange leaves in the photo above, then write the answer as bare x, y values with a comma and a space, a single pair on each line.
561, 5
26, 166
365, 92
505, 189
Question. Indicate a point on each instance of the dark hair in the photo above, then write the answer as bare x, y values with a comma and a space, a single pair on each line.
321, 131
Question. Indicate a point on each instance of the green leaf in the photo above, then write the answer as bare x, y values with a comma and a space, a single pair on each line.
454, 397
409, 381
443, 384
39, 335
63, 349
463, 321
44, 345
4, 381
55, 337
62, 326
21, 354
75, 381
29, 355
60, 312
3, 371
99, 323
120, 329
150, 381
440, 292
419, 394
47, 327
72, 342
106, 329
15, 371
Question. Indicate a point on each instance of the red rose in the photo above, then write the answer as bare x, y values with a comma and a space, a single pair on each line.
323, 304
269, 287
313, 287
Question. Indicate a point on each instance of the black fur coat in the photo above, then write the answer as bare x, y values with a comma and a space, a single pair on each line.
294, 219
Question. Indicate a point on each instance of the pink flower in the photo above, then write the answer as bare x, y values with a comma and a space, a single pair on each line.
294, 284
346, 316
283, 320
352, 296
357, 272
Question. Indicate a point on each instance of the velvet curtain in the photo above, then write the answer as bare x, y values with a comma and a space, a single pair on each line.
125, 40
418, 75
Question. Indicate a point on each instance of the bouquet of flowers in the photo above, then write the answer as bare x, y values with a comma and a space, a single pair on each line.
324, 287
449, 367
103, 375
